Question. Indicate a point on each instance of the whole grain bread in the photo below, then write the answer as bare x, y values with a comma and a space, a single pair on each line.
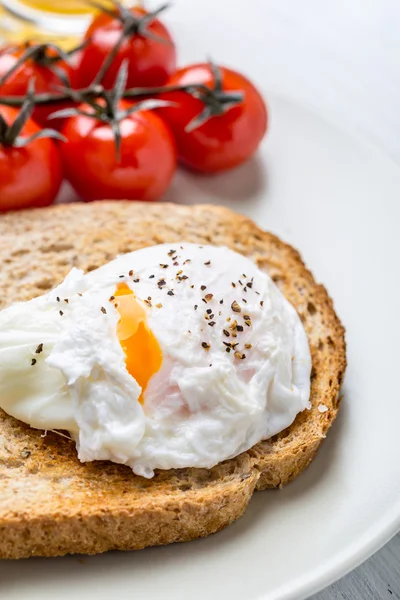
50, 503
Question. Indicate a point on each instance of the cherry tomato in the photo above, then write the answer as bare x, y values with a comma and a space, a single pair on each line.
46, 81
223, 141
30, 176
151, 61
144, 169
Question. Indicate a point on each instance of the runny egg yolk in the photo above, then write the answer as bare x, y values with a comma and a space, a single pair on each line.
142, 351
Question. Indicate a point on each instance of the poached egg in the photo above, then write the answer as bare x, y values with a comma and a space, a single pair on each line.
176, 355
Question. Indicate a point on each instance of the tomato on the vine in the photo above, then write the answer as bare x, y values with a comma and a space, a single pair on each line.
146, 161
219, 131
127, 34
30, 171
48, 72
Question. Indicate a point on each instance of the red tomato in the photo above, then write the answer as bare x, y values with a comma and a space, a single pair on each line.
151, 62
30, 176
45, 80
147, 158
225, 140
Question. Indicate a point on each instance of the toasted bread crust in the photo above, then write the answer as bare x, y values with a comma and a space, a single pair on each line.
50, 503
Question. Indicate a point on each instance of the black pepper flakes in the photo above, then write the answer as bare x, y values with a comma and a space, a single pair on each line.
161, 283
226, 332
175, 263
103, 310
227, 349
130, 273
208, 263
66, 300
39, 349
136, 280
58, 299
211, 323
203, 287
170, 293
244, 300
205, 345
151, 276
246, 318
209, 311
111, 298
221, 301
239, 328
171, 252
250, 284
61, 313
233, 284
196, 306
163, 266
261, 302
33, 362
121, 276
236, 307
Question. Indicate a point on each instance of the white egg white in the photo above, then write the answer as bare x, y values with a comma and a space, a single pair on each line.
62, 365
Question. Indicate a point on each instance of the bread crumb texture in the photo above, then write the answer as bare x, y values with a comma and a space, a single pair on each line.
50, 503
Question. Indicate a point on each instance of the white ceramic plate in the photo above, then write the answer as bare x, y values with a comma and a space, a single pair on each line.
338, 201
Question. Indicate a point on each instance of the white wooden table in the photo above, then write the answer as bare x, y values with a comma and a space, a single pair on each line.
343, 59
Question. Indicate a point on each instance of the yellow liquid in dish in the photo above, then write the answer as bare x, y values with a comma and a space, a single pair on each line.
61, 22
62, 7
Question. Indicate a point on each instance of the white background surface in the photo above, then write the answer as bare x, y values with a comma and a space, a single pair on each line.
343, 59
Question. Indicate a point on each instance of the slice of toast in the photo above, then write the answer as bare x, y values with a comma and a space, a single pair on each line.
50, 503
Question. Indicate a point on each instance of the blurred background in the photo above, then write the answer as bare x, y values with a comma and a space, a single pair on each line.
341, 58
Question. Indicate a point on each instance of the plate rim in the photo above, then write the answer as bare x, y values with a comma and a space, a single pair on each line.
388, 526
